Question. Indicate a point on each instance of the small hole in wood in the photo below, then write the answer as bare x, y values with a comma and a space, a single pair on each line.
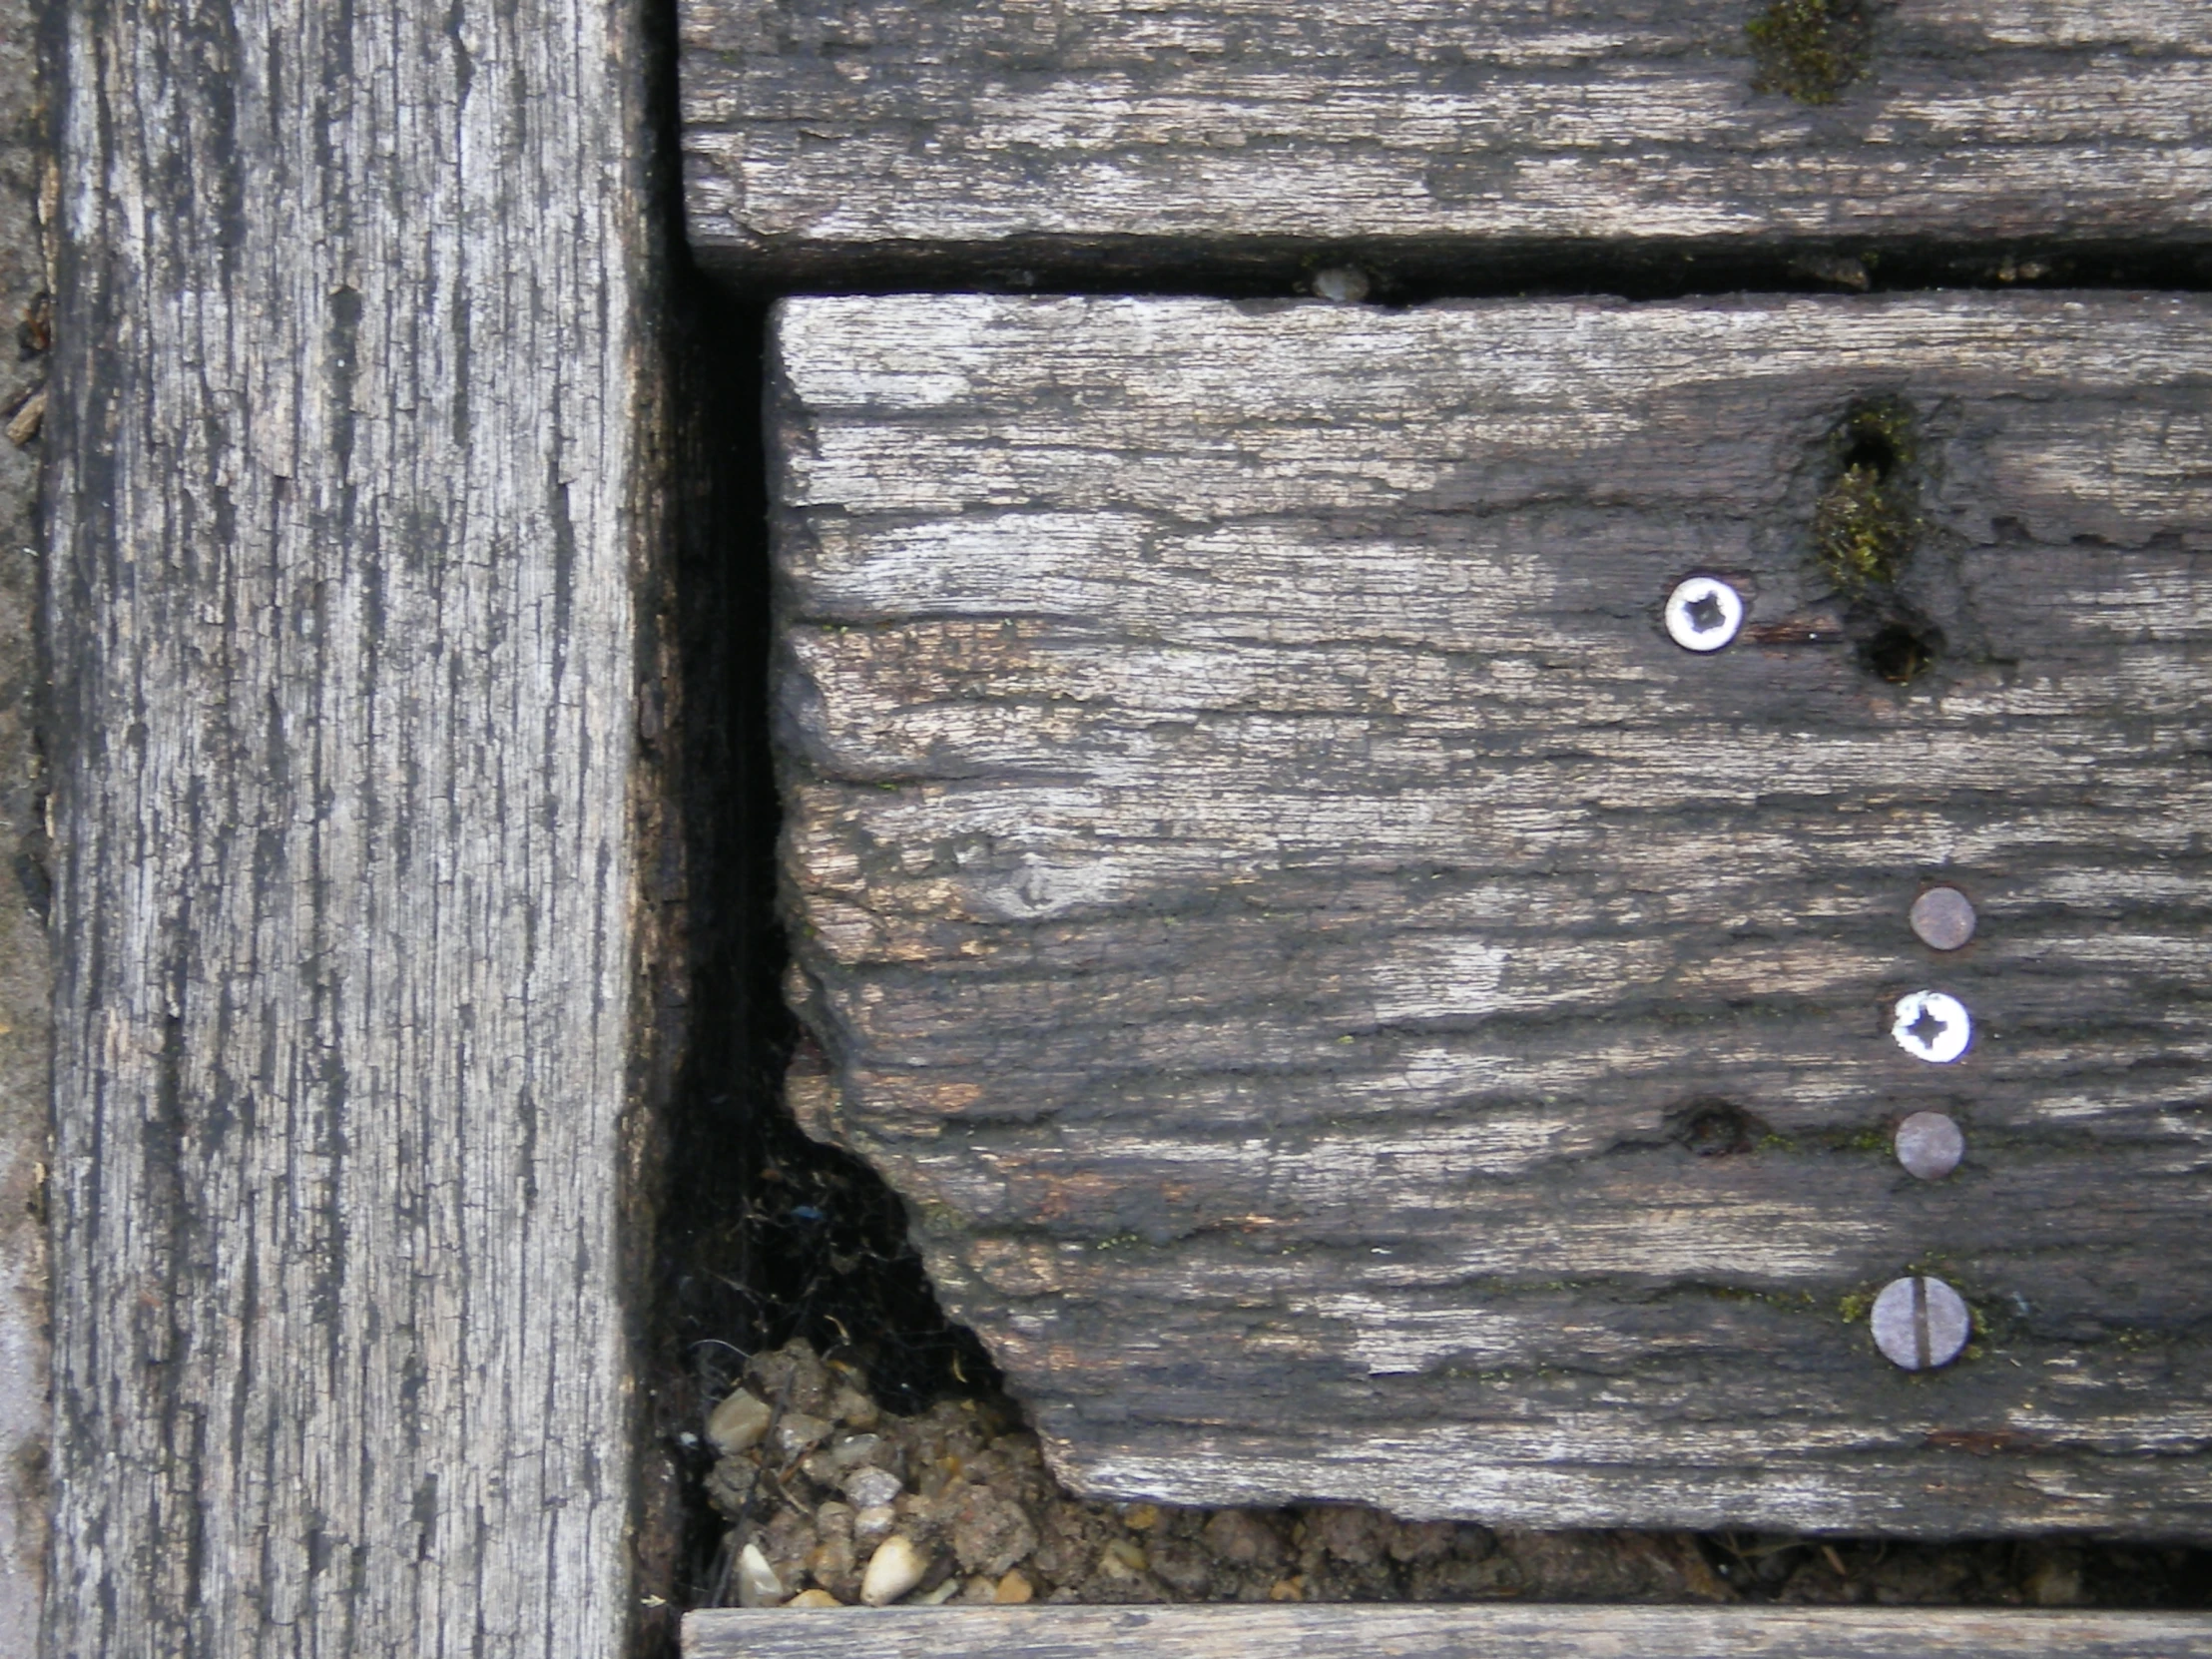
1899, 653
1715, 1128
1872, 452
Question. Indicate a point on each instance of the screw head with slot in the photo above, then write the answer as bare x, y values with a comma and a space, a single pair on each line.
1704, 613
1932, 1026
1921, 1322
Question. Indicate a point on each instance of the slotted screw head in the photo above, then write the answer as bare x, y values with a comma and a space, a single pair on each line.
1944, 918
1932, 1026
1930, 1145
1704, 613
1921, 1324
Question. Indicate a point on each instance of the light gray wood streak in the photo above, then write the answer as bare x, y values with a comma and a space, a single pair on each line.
349, 502
1401, 1632
815, 130
1279, 907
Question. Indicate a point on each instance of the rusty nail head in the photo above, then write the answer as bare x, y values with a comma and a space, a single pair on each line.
1944, 918
1921, 1322
1930, 1145
1703, 613
1932, 1026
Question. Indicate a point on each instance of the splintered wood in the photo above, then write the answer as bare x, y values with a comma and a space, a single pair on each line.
821, 129
1355, 1011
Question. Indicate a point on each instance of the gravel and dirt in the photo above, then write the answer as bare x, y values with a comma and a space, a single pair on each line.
832, 1499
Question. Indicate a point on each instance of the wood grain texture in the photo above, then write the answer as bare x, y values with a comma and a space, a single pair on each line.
348, 500
1401, 1632
1277, 904
26, 990
817, 130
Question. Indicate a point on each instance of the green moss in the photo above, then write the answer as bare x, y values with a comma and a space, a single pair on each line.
1854, 1306
1864, 525
1808, 49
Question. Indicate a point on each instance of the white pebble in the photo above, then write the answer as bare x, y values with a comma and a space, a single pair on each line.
894, 1568
758, 1585
738, 1422
1344, 283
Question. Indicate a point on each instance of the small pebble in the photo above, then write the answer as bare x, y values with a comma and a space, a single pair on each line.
738, 1423
1141, 1517
798, 1434
871, 1489
855, 1409
894, 1568
940, 1595
758, 1585
1346, 284
814, 1598
872, 1523
1013, 1590
853, 1450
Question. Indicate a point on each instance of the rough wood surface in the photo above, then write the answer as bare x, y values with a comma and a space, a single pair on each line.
1358, 1013
25, 985
1440, 1633
347, 504
813, 130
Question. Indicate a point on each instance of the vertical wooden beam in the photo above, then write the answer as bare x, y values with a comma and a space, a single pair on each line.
348, 504
25, 994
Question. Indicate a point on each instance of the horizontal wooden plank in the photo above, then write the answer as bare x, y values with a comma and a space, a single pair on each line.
1231, 1632
1274, 900
816, 132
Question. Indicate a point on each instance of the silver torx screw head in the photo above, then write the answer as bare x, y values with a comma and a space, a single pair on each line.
1932, 1026
1944, 918
1704, 613
1921, 1324
1930, 1145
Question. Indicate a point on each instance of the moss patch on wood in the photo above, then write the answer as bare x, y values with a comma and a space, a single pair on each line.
1810, 49
1866, 523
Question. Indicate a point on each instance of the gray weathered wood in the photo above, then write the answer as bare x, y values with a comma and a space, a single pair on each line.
815, 131
1230, 1632
1285, 915
25, 988
348, 498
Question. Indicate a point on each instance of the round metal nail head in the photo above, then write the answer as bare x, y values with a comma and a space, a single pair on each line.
1704, 613
1932, 1026
1921, 1324
1944, 918
1930, 1145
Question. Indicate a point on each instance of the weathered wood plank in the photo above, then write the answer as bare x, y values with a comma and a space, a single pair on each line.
1293, 925
815, 131
25, 986
348, 498
1225, 1633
